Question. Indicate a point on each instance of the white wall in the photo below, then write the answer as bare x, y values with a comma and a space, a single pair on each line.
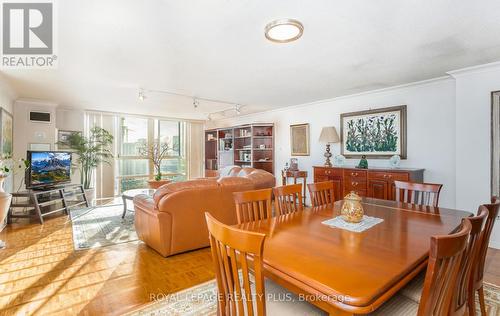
431, 128
473, 132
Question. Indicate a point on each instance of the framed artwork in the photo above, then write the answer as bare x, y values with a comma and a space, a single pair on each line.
299, 139
379, 133
6, 131
62, 136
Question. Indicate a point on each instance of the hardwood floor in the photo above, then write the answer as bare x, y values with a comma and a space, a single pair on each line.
41, 273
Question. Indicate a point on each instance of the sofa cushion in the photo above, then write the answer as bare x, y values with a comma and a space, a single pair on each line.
236, 184
261, 179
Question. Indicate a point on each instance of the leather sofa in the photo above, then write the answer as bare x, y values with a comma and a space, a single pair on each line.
173, 219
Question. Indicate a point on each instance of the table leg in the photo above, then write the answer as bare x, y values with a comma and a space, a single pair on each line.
124, 206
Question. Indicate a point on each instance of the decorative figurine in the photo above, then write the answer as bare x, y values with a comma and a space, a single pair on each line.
363, 163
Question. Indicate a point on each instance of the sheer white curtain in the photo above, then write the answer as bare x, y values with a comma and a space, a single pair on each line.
194, 144
104, 177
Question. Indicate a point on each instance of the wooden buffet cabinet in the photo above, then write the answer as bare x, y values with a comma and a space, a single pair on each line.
372, 182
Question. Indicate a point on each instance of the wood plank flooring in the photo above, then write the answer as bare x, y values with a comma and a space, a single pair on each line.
41, 273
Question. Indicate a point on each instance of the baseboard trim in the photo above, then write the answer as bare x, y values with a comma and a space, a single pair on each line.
494, 244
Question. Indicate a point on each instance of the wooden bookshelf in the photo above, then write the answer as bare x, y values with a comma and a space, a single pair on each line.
250, 145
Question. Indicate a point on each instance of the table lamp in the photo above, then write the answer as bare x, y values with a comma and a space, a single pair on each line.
329, 136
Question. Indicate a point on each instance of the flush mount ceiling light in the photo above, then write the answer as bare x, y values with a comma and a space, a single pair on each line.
284, 30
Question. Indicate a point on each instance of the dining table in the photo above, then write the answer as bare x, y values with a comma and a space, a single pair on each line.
345, 272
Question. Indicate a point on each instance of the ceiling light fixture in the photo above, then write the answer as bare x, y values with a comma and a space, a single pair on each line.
195, 103
142, 96
237, 108
284, 30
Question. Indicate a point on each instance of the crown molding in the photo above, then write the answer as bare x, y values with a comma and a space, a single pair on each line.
475, 69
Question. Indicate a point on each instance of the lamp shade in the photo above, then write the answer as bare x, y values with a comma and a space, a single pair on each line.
329, 135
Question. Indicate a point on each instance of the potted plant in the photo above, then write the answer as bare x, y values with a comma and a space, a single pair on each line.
92, 151
7, 165
155, 152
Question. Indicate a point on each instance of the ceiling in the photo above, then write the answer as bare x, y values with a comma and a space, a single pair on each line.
108, 49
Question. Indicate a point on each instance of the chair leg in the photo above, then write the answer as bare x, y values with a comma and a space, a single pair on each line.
472, 304
481, 301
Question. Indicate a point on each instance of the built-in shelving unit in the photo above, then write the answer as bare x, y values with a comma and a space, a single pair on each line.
250, 145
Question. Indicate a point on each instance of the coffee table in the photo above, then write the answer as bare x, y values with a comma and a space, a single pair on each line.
130, 194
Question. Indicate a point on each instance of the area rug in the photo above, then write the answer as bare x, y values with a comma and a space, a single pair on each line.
102, 226
202, 300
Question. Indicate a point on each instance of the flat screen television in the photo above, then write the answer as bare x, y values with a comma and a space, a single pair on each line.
48, 168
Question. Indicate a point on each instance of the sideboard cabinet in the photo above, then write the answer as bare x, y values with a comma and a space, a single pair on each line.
372, 182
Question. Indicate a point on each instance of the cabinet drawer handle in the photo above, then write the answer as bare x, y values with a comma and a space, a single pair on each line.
354, 184
354, 174
385, 176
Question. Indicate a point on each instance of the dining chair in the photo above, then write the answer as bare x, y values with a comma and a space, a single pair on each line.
426, 194
459, 305
445, 259
476, 283
230, 247
288, 199
321, 193
460, 299
241, 285
253, 205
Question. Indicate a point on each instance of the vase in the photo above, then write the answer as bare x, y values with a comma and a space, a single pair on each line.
352, 210
5, 199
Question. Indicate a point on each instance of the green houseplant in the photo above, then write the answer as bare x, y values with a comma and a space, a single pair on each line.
92, 151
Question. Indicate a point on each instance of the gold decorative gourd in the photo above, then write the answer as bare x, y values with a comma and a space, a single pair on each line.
352, 210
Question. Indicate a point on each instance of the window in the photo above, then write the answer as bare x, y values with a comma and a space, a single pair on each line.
134, 170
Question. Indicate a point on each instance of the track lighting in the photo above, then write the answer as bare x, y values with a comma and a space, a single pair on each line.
195, 103
142, 96
237, 108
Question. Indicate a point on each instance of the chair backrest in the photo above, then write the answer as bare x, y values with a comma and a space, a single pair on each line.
461, 293
418, 193
445, 258
253, 205
485, 239
288, 199
321, 193
230, 247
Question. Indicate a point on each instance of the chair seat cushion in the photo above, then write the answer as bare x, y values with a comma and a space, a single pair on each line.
413, 290
398, 305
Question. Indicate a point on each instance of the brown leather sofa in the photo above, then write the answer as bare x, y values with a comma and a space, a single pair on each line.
173, 220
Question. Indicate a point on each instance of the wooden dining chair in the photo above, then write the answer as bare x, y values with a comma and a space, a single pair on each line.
418, 193
230, 247
253, 205
288, 199
240, 282
321, 193
445, 259
460, 299
476, 283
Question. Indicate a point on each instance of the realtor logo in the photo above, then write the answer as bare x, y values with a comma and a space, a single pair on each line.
28, 35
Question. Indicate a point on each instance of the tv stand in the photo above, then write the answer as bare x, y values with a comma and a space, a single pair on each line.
43, 202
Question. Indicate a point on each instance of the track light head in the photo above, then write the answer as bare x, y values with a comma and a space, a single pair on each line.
196, 103
237, 108
142, 96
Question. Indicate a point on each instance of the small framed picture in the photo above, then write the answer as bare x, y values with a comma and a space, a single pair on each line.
299, 139
62, 136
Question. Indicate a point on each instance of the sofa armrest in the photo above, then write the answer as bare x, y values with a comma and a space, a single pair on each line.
145, 203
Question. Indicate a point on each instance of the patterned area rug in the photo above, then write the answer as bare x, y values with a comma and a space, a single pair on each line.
201, 300
102, 226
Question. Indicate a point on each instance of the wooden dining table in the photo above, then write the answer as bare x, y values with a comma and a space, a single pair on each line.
344, 272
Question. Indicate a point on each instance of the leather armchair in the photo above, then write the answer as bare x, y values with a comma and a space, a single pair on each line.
172, 220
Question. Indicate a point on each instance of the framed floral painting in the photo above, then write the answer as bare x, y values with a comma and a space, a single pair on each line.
6, 131
379, 133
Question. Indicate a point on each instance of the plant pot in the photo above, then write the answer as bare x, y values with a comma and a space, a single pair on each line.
5, 199
90, 194
155, 184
